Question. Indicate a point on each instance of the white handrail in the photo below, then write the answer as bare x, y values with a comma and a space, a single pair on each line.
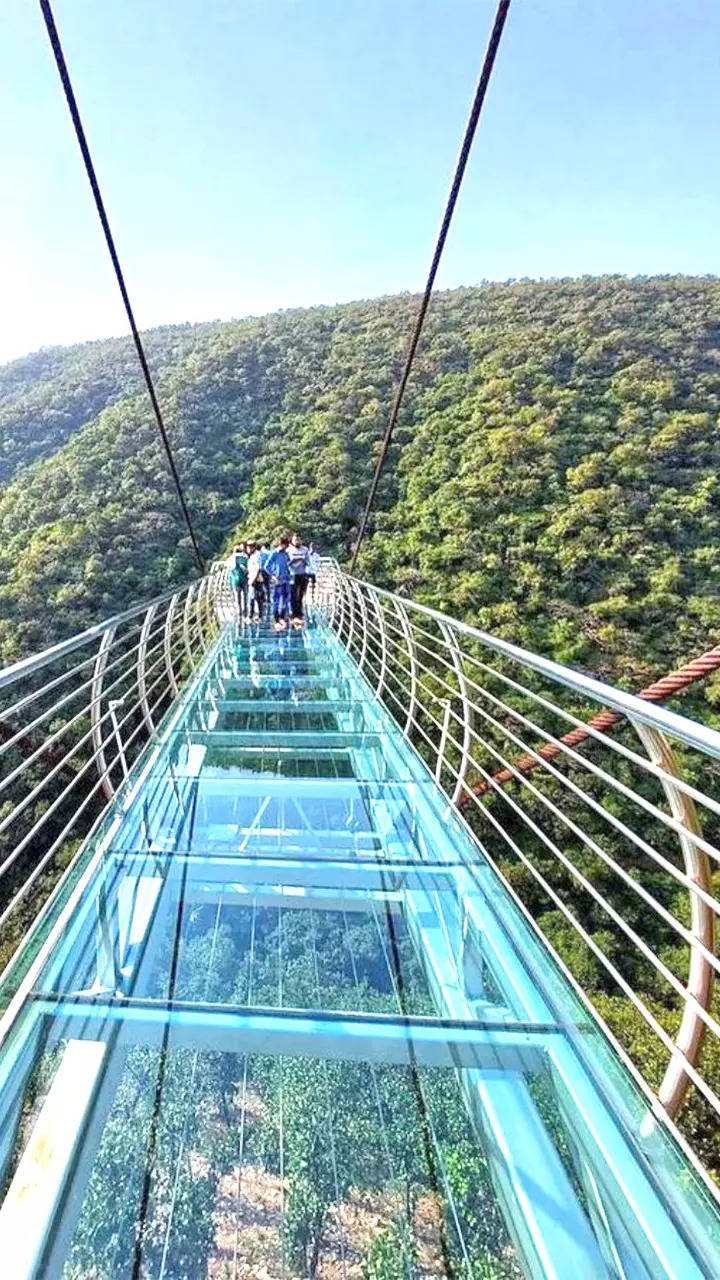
691, 732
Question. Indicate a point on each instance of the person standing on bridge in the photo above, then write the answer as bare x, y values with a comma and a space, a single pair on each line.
313, 569
299, 555
238, 578
256, 581
278, 567
265, 551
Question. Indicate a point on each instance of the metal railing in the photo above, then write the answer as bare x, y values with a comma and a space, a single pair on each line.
611, 850
73, 719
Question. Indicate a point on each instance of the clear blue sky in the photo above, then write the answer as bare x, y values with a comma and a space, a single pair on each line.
258, 154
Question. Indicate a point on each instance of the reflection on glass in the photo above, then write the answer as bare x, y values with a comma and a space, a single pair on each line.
288, 1167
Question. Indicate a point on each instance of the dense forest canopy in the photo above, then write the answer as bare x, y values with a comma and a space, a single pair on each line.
554, 476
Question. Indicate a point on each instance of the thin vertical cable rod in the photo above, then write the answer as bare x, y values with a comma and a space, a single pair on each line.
480, 92
100, 206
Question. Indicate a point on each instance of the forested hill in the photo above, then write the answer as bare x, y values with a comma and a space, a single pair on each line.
554, 478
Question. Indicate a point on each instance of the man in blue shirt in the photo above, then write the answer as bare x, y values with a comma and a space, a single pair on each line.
277, 566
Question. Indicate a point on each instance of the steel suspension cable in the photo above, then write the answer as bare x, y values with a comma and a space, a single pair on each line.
471, 127
100, 206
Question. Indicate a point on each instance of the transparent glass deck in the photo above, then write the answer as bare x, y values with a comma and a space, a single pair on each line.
291, 1024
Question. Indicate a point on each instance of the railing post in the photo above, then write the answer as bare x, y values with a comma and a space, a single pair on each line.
443, 740
186, 623
347, 587
141, 658
406, 626
356, 587
199, 604
96, 713
217, 577
701, 974
383, 641
219, 591
112, 708
451, 641
212, 598
328, 599
167, 641
338, 603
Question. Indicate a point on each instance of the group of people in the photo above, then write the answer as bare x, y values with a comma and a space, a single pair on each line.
276, 579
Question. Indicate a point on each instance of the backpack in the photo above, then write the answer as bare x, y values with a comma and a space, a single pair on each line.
238, 574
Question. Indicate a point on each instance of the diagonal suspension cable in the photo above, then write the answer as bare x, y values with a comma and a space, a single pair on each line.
493, 44
100, 206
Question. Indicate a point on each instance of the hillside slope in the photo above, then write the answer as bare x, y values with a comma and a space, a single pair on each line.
554, 477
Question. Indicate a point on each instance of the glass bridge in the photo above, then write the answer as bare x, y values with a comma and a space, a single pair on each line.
286, 1020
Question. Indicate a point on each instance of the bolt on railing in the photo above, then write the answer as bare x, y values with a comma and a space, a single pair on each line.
610, 846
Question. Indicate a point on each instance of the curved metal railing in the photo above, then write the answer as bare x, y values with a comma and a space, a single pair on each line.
613, 849
73, 719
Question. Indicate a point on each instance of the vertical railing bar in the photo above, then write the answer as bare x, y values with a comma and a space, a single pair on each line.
142, 651
451, 641
186, 622
443, 740
217, 577
401, 612
112, 708
339, 597
383, 641
364, 617
349, 586
199, 602
95, 713
328, 600
701, 976
169, 617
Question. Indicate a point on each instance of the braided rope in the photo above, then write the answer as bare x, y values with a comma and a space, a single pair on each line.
698, 669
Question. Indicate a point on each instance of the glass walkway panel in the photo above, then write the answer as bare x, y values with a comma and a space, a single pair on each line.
288, 1021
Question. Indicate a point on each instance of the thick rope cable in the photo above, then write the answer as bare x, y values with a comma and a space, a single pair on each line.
100, 206
493, 44
697, 669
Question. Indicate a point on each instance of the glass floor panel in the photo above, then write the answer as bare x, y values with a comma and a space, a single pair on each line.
287, 677
226, 755
207, 814
285, 735
281, 1167
366, 938
260, 714
281, 688
266, 664
291, 1024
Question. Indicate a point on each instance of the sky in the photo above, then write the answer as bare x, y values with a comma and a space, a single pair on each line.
261, 154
